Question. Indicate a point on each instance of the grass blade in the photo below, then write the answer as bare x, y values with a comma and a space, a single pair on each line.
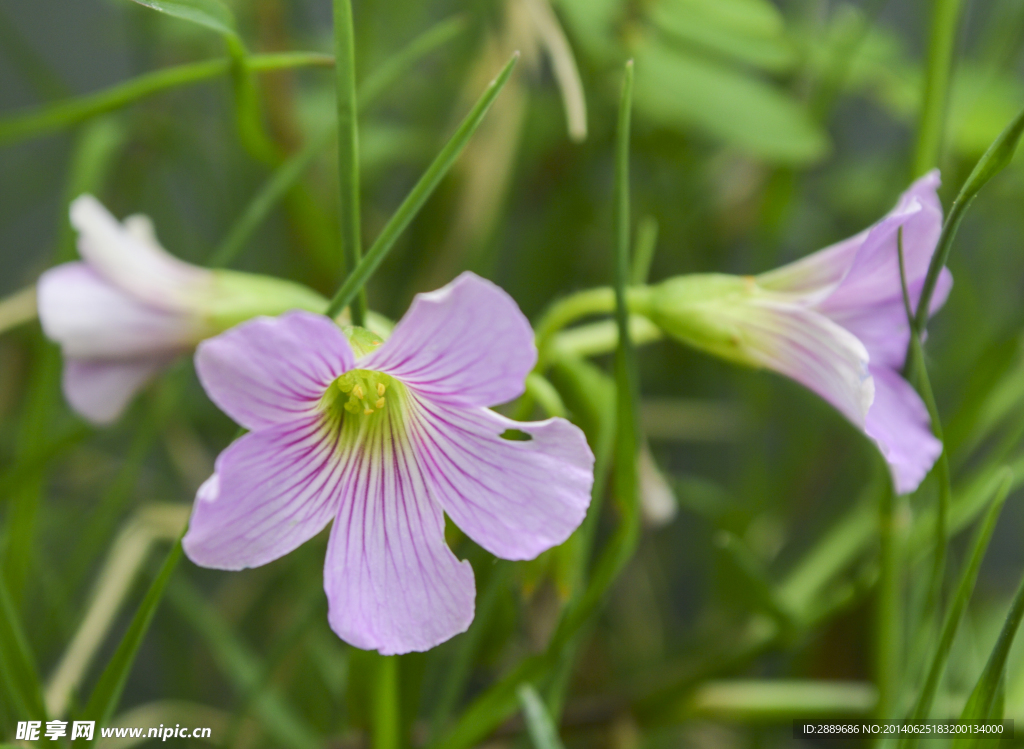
998, 155
18, 675
355, 280
47, 119
964, 590
934, 106
348, 147
107, 692
983, 697
541, 727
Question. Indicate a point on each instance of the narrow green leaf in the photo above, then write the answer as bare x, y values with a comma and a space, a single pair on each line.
938, 69
994, 160
107, 692
964, 590
212, 14
982, 701
539, 724
42, 120
348, 147
18, 675
355, 280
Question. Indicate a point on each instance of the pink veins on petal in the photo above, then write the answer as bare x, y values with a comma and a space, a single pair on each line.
384, 445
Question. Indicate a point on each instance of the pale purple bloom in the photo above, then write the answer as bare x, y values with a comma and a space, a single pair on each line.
856, 285
383, 441
833, 321
129, 308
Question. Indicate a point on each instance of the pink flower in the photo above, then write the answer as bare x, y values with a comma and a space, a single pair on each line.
833, 321
384, 440
130, 308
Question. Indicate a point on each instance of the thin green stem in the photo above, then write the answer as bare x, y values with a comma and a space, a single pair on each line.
387, 715
938, 72
924, 386
348, 147
412, 204
889, 609
62, 114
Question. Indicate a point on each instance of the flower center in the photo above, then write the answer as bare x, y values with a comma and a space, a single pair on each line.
367, 391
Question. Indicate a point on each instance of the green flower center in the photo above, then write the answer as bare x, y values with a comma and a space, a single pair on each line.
364, 392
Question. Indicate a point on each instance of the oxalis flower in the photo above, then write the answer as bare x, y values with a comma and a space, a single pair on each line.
383, 439
130, 308
834, 321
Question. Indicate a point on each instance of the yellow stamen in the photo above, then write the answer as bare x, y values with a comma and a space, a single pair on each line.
368, 410
379, 403
358, 392
381, 387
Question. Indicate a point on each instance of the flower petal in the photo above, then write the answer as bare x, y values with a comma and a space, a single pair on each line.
883, 327
99, 389
516, 498
392, 583
90, 318
272, 490
898, 423
811, 349
129, 257
466, 344
874, 276
864, 269
270, 370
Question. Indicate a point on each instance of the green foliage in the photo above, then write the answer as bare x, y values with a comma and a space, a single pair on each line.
760, 131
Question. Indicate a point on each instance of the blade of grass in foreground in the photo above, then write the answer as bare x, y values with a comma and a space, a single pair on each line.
107, 692
539, 724
355, 280
964, 590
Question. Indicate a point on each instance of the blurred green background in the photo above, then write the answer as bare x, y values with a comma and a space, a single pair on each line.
762, 131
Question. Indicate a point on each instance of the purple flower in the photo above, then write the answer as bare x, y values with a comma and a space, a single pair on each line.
130, 308
833, 321
384, 439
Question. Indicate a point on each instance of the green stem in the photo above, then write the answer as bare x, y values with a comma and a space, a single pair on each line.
348, 147
401, 218
889, 614
387, 730
935, 103
924, 386
62, 114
